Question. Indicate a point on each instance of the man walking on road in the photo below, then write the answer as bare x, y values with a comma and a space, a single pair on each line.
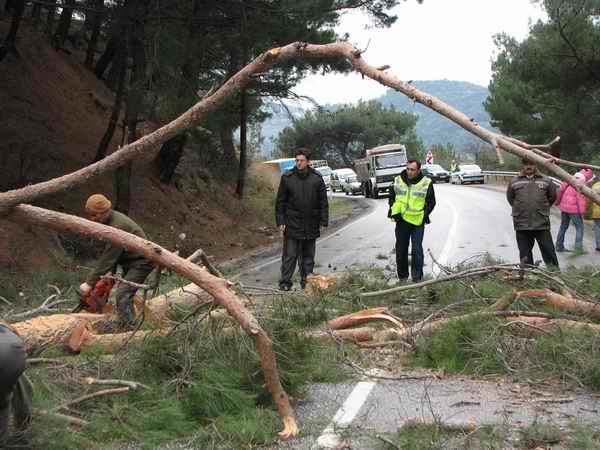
531, 196
301, 209
136, 268
411, 201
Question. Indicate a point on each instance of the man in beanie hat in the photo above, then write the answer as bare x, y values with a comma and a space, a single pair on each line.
135, 267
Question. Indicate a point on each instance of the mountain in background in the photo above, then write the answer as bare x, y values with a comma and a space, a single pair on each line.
434, 128
431, 127
281, 117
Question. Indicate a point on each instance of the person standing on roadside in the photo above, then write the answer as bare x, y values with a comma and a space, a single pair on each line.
573, 206
301, 210
531, 196
596, 215
411, 201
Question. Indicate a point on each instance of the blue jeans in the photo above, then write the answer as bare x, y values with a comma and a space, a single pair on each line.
406, 232
565, 219
597, 228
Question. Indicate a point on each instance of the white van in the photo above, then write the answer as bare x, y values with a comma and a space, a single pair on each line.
338, 176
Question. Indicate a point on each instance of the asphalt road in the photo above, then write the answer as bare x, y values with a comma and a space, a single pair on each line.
467, 221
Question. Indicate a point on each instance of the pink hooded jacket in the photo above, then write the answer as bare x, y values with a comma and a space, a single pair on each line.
569, 200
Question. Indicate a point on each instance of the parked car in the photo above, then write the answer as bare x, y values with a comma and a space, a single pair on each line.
338, 176
467, 173
436, 172
351, 185
325, 172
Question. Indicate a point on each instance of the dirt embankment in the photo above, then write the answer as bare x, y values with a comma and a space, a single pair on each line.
53, 115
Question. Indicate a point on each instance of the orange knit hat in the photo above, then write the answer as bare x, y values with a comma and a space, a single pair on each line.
97, 204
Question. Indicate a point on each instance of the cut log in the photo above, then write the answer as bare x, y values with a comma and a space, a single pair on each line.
83, 338
55, 329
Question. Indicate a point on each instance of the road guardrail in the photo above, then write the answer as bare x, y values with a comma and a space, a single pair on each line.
500, 177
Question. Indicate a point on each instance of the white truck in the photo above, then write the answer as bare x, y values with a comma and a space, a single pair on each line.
376, 172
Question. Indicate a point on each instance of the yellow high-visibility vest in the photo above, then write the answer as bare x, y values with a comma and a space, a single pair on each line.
410, 200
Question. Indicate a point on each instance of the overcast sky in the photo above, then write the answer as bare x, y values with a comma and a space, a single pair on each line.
440, 39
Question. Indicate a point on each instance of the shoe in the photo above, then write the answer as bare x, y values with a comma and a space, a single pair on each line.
285, 287
560, 249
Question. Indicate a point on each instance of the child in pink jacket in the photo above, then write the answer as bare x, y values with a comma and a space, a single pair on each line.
573, 206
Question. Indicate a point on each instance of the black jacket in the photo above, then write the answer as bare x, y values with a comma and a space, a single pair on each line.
429, 197
531, 200
302, 204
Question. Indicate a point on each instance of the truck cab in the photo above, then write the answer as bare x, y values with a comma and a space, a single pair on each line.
376, 172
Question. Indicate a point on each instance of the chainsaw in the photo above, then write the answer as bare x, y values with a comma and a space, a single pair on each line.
95, 301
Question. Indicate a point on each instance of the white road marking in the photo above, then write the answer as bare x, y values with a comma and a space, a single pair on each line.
345, 415
443, 258
319, 241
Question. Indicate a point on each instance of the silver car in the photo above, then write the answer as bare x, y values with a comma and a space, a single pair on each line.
351, 185
467, 173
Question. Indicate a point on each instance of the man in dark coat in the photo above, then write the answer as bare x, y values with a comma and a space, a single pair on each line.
15, 389
136, 268
301, 209
531, 196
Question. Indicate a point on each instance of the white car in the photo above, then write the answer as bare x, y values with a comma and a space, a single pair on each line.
338, 176
351, 185
467, 173
325, 172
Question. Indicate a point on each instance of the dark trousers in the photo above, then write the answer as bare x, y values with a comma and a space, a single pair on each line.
12, 391
525, 241
136, 272
300, 251
405, 233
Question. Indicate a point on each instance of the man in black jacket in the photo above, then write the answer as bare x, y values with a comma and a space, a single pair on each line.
411, 201
301, 209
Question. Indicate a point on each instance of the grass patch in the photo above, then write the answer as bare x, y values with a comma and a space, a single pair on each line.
540, 434
415, 436
339, 207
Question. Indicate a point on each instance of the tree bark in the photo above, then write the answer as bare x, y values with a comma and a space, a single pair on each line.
216, 287
169, 156
171, 152
64, 23
226, 135
9, 44
150, 144
116, 110
96, 24
243, 145
110, 52
50, 18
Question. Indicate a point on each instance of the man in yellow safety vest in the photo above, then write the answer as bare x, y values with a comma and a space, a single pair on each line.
411, 201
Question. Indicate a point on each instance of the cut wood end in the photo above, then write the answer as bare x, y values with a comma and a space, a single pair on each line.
290, 428
77, 338
274, 52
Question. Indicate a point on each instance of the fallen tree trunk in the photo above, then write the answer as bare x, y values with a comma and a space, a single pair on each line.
355, 334
218, 288
149, 145
82, 338
564, 302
